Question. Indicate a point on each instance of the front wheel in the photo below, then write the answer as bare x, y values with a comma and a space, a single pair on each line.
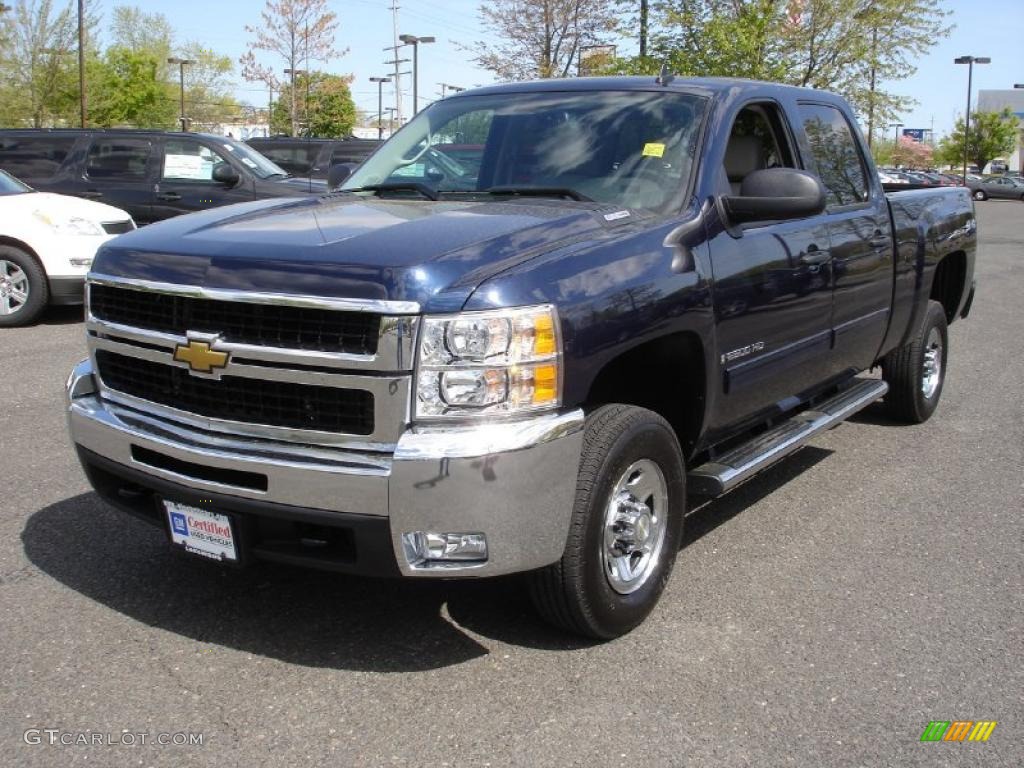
916, 371
24, 291
979, 194
627, 522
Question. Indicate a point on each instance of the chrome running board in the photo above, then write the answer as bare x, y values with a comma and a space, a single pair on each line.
732, 468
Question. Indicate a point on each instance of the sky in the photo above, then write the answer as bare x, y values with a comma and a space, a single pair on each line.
992, 28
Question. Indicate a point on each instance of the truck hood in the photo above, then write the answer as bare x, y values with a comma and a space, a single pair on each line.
343, 246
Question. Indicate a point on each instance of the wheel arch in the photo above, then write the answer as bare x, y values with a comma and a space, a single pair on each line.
667, 375
949, 283
21, 246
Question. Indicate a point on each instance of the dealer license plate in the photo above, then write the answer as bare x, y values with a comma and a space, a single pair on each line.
201, 531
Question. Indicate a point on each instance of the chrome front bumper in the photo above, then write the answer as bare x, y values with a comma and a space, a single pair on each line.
513, 481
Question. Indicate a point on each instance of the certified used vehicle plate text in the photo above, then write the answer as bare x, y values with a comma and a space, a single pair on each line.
201, 531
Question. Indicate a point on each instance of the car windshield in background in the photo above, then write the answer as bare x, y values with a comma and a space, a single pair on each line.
262, 167
628, 148
11, 186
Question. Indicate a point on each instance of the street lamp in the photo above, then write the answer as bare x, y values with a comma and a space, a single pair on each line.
380, 103
970, 61
181, 73
415, 43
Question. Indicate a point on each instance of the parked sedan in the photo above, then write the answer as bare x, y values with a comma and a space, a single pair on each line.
999, 187
47, 244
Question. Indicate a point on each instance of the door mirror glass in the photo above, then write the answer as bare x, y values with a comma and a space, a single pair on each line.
225, 174
776, 194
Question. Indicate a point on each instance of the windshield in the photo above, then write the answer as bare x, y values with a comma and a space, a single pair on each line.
628, 148
11, 186
262, 167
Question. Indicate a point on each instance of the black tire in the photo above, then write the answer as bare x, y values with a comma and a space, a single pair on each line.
13, 312
575, 593
979, 194
908, 399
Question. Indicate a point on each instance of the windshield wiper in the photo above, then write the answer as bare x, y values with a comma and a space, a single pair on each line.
399, 186
515, 191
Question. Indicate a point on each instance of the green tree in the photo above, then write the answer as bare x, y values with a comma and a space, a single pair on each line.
992, 135
128, 91
540, 38
331, 112
297, 31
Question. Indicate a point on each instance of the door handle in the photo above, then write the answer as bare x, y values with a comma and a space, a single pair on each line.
169, 196
814, 257
879, 241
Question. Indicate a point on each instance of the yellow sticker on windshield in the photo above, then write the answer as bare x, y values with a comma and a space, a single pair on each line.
654, 150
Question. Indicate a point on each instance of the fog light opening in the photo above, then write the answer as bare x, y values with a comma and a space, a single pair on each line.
426, 548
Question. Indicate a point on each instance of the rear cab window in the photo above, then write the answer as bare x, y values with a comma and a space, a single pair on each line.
34, 157
836, 154
118, 159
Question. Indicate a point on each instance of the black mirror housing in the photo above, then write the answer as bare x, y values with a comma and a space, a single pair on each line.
337, 174
225, 174
776, 194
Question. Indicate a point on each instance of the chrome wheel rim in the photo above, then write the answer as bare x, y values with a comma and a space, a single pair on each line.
13, 287
931, 373
635, 523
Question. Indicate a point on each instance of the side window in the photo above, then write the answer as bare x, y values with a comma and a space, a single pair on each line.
757, 140
34, 157
188, 160
298, 160
835, 153
122, 159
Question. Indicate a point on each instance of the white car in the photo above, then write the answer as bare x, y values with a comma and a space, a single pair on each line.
47, 244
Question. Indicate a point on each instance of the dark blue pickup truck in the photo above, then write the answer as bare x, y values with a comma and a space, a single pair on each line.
524, 358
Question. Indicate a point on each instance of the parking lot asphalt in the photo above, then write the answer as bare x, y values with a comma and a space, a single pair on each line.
820, 615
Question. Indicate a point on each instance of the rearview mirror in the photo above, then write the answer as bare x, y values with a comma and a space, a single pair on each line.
225, 174
337, 175
775, 194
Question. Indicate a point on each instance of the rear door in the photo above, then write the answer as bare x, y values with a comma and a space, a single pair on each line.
37, 159
860, 231
185, 178
119, 171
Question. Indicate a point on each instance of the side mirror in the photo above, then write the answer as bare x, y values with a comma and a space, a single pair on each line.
225, 174
776, 194
337, 175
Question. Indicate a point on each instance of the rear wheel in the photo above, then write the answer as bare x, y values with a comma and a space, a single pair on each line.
24, 291
627, 522
979, 194
916, 371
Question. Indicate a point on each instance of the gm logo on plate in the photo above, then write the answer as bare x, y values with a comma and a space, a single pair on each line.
179, 524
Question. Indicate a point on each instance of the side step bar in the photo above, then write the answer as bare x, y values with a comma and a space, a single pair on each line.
732, 468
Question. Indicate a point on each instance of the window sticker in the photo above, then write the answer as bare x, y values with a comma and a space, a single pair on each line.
191, 167
652, 149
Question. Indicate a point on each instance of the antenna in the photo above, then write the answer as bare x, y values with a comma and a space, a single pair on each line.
666, 76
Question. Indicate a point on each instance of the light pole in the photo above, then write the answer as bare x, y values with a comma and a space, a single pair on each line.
970, 61
445, 87
181, 73
895, 140
415, 41
380, 103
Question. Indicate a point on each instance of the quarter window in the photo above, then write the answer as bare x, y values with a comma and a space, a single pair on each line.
32, 157
123, 159
836, 154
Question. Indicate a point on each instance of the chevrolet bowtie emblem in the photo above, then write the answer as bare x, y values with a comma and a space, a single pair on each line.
200, 357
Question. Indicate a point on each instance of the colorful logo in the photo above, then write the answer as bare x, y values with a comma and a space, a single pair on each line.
958, 730
179, 523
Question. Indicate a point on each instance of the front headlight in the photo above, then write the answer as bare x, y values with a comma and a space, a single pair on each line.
73, 225
497, 362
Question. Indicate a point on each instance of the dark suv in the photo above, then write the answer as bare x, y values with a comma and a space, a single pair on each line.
313, 157
153, 175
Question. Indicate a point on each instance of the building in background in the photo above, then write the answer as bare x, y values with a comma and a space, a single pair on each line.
997, 101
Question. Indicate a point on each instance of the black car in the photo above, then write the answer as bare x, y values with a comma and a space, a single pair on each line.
313, 157
153, 175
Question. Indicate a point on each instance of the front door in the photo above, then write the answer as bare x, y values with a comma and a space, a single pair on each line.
773, 285
186, 179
